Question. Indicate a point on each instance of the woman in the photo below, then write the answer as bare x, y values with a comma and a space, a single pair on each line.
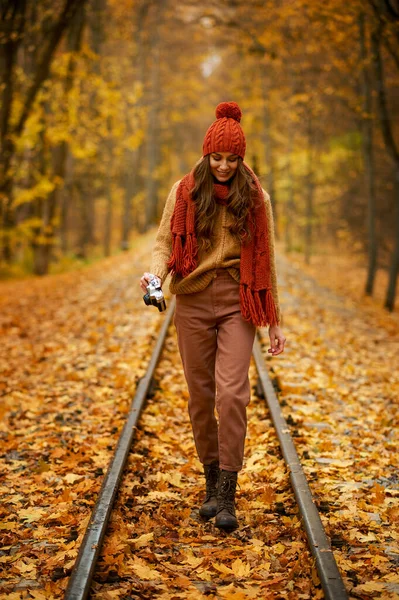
216, 237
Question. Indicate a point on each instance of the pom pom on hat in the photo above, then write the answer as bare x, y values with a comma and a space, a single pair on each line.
231, 110
225, 134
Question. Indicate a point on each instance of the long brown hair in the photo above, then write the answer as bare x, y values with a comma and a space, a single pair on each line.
240, 202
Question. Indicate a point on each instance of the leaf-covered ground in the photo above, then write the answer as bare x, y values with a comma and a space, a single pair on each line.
73, 347
339, 382
159, 547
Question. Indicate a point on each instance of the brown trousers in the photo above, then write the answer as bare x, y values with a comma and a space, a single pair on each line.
215, 345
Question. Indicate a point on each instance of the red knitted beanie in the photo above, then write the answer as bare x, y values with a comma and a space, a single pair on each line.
225, 134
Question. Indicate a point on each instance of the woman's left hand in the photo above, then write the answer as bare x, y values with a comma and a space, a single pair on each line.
277, 340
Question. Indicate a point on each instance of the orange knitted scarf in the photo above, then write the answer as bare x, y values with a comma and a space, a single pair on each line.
256, 298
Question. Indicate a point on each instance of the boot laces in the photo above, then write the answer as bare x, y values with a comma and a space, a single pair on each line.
227, 490
212, 476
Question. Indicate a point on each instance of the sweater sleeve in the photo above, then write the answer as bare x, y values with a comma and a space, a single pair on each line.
163, 242
270, 219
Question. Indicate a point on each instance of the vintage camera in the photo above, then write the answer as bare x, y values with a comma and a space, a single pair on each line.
154, 294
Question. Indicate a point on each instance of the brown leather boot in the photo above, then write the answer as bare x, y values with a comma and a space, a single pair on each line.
226, 512
209, 506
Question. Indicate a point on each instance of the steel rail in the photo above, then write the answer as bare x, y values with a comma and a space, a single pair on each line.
82, 573
329, 575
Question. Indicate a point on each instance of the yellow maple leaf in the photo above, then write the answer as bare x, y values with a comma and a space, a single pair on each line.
268, 495
230, 592
256, 457
8, 526
257, 543
193, 561
27, 570
144, 571
378, 494
368, 537
31, 514
315, 577
204, 574
278, 548
175, 479
142, 540
72, 477
240, 569
222, 568
371, 586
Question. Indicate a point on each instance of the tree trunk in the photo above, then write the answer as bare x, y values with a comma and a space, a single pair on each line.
126, 224
63, 230
11, 32
309, 193
108, 219
291, 198
367, 126
60, 197
59, 155
387, 133
65, 201
133, 157
394, 267
15, 22
153, 126
268, 145
40, 205
108, 184
81, 194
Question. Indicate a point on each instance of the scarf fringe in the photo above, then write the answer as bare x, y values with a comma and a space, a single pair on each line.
183, 259
271, 310
258, 306
190, 254
176, 259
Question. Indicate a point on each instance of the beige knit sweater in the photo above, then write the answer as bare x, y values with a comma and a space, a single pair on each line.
225, 253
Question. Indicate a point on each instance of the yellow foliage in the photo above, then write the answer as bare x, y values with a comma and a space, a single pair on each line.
39, 191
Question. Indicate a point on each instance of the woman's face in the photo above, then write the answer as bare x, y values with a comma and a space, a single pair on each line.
223, 165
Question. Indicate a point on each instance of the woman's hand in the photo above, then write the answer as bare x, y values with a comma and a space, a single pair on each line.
145, 280
277, 340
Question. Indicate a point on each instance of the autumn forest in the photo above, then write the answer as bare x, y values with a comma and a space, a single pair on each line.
104, 104
103, 107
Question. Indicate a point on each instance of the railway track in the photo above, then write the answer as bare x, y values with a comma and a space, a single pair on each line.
268, 556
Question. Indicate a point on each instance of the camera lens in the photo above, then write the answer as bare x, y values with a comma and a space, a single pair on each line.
162, 306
